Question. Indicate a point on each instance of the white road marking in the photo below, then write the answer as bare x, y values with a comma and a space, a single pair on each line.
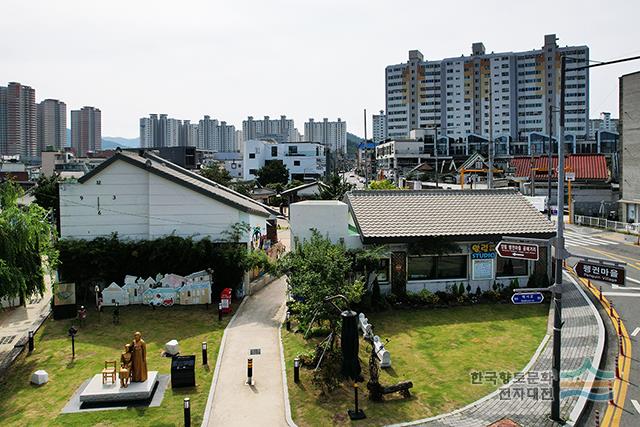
635, 332
620, 294
636, 405
633, 280
630, 288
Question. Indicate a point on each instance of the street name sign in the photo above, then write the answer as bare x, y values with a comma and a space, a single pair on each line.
570, 176
527, 298
604, 273
518, 250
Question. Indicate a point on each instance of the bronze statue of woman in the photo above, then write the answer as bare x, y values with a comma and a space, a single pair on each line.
139, 359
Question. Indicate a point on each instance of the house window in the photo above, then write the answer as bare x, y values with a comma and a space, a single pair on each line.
252, 155
293, 149
296, 163
274, 151
506, 267
252, 171
383, 271
135, 292
437, 267
188, 294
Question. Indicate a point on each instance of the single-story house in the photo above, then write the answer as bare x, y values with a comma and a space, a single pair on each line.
439, 238
113, 294
134, 291
195, 293
306, 191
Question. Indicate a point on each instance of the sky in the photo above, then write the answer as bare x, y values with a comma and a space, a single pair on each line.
300, 58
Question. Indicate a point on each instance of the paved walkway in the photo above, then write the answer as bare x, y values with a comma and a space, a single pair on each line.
582, 338
255, 326
15, 324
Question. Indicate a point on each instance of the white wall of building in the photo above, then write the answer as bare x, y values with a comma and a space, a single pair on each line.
308, 158
329, 217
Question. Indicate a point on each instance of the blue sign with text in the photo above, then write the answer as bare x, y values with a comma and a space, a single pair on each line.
527, 298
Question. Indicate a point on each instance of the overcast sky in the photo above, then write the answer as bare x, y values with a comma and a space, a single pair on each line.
230, 59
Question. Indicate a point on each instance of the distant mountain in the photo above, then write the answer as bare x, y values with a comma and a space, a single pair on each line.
112, 142
352, 144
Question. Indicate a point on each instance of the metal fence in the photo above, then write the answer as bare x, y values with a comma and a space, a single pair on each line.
620, 227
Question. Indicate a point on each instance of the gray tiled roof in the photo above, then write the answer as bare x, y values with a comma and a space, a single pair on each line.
186, 178
432, 213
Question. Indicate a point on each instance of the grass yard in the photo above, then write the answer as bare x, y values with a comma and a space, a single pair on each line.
23, 404
436, 349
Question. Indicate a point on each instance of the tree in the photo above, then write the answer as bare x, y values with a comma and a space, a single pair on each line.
216, 173
318, 269
335, 189
272, 173
46, 192
26, 245
384, 184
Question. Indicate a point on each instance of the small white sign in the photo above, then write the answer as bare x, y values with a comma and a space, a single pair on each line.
570, 176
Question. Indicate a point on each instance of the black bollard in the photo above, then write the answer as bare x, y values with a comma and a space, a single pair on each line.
31, 342
204, 353
296, 370
357, 414
288, 321
187, 412
249, 372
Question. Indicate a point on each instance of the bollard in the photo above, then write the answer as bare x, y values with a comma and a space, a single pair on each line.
621, 345
619, 327
600, 294
611, 402
617, 369
249, 372
597, 419
187, 412
31, 342
219, 311
204, 353
589, 283
357, 414
611, 309
288, 321
296, 370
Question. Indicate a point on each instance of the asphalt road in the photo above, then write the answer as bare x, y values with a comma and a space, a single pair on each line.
591, 242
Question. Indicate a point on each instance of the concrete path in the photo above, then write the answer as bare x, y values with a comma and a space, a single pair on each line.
15, 324
256, 326
582, 338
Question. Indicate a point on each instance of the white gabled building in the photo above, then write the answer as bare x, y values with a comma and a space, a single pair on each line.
305, 160
142, 196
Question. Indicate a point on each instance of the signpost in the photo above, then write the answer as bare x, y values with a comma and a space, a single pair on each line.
604, 273
570, 176
518, 250
527, 298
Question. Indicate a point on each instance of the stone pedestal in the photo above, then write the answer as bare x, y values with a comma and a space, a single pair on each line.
96, 392
39, 377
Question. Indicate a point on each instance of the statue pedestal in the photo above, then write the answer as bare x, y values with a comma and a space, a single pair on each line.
96, 392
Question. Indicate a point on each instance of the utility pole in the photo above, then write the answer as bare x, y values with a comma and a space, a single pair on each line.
557, 288
435, 145
366, 153
490, 171
549, 163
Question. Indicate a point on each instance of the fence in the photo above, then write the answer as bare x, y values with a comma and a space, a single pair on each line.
620, 227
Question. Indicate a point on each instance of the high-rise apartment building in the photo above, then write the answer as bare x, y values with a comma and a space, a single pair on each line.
379, 127
216, 136
86, 130
331, 134
52, 125
18, 124
506, 94
280, 130
603, 123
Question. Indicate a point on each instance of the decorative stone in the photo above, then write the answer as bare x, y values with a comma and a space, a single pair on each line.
39, 377
383, 355
172, 347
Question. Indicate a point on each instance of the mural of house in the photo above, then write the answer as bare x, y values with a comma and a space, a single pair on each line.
199, 276
195, 293
130, 279
161, 296
134, 291
113, 294
174, 281
149, 283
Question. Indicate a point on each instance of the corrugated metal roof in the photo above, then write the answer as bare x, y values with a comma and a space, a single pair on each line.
585, 166
433, 213
195, 182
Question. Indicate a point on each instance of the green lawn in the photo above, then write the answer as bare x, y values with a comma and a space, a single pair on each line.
436, 349
23, 404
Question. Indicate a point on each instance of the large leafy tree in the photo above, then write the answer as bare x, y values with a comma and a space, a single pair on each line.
216, 173
383, 184
335, 189
26, 245
273, 173
46, 192
318, 269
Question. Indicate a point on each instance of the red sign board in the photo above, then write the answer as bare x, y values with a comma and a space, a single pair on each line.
518, 250
604, 273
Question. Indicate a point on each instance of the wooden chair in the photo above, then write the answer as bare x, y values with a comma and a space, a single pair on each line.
109, 371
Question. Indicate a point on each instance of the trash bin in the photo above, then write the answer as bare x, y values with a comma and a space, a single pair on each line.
183, 371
